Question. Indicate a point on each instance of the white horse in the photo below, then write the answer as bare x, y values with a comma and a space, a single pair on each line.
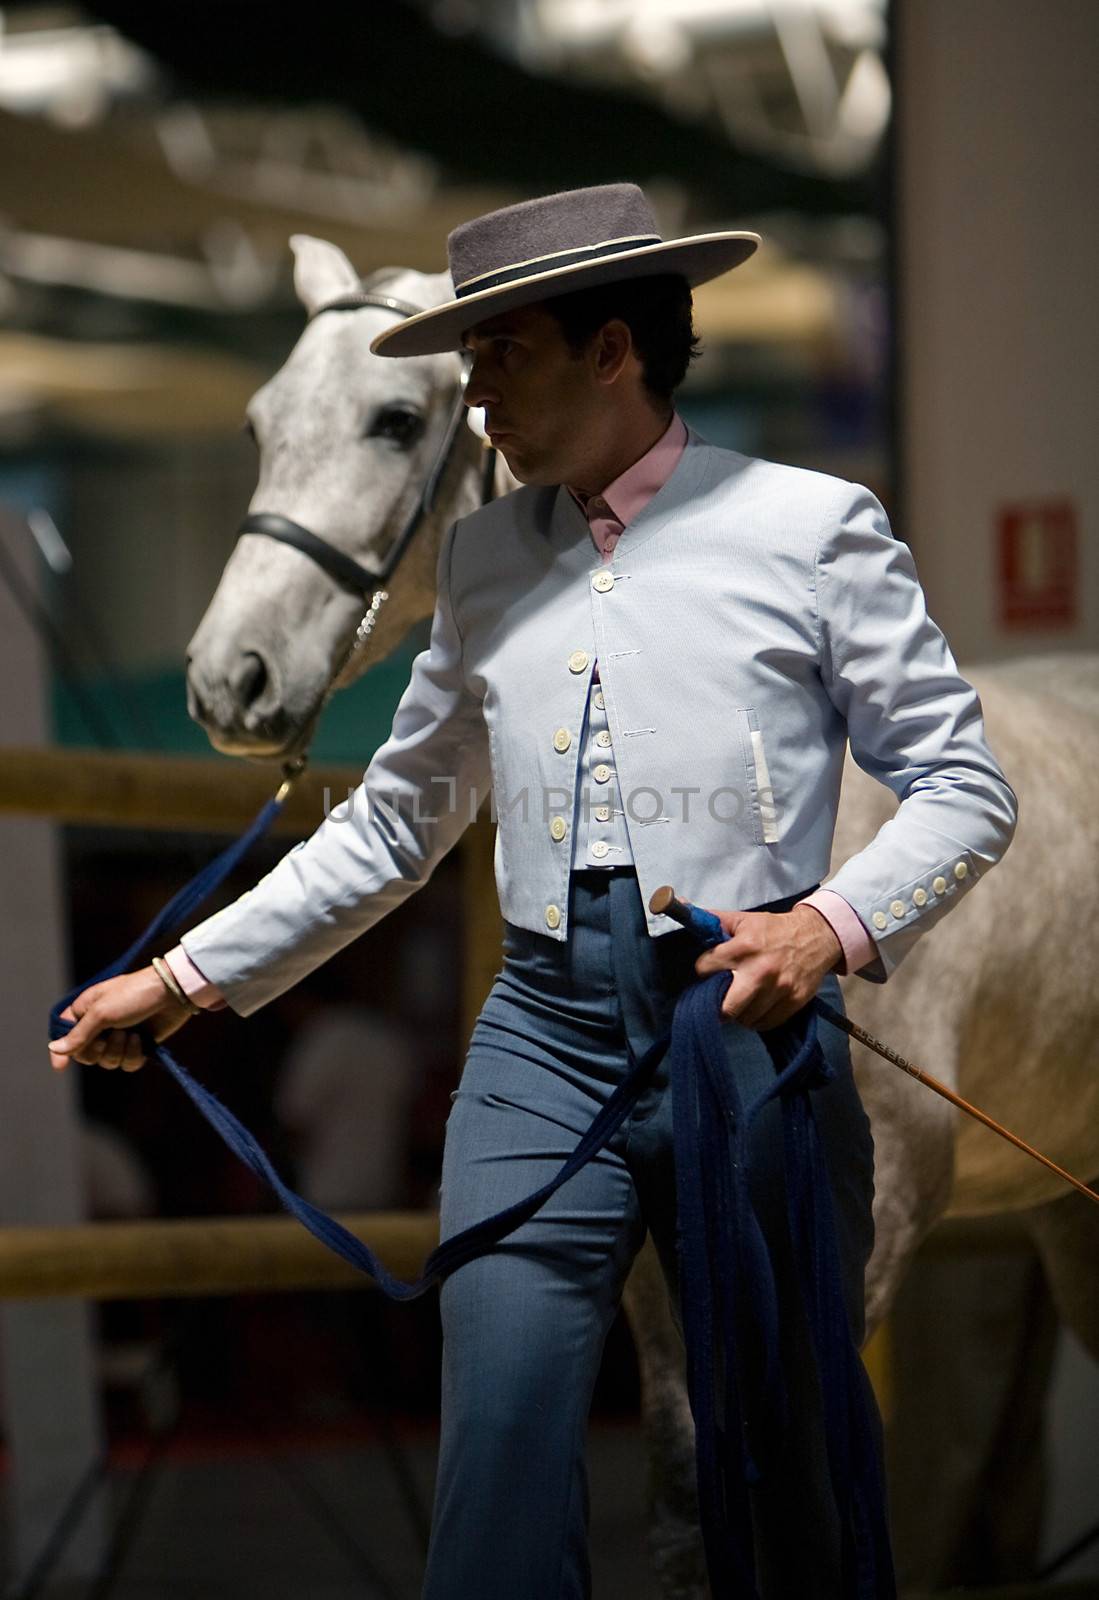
998, 1001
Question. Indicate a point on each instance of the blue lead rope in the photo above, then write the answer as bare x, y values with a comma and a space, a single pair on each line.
726, 1269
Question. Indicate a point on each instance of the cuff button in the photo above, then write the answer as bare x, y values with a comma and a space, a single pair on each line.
939, 885
961, 870
880, 919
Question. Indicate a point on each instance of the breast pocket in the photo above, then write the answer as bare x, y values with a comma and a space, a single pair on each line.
760, 792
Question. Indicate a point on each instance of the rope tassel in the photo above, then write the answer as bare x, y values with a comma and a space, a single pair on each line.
731, 1310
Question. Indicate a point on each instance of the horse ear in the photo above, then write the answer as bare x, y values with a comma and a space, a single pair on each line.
321, 272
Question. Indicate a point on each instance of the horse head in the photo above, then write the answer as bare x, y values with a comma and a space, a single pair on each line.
345, 440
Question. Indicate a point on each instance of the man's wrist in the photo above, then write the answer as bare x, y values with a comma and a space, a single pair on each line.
826, 943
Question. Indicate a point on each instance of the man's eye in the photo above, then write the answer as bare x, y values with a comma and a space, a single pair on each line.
503, 346
399, 425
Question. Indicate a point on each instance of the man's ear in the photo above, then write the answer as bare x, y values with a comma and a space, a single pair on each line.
612, 348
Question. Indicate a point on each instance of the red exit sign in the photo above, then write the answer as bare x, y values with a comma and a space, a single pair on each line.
1038, 564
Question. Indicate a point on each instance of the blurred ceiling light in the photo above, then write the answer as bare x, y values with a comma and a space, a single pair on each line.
47, 536
321, 160
801, 78
71, 75
110, 270
657, 46
591, 22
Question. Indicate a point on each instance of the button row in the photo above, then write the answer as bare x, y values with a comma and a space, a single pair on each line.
919, 896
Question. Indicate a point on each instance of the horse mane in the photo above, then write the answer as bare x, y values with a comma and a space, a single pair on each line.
383, 278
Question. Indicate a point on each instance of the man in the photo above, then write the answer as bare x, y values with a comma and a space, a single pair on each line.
654, 654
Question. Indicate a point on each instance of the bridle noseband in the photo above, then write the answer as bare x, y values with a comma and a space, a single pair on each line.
343, 569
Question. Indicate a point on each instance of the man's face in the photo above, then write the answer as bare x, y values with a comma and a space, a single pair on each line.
542, 402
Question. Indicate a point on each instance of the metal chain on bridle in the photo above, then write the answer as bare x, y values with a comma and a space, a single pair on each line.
367, 582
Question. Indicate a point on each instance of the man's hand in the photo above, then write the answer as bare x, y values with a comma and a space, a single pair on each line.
104, 1012
777, 960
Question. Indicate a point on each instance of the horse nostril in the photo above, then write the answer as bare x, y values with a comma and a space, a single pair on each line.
248, 678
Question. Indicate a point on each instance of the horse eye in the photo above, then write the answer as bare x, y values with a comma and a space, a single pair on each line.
402, 427
248, 427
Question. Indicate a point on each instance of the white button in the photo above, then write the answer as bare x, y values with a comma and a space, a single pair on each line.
939, 885
898, 908
558, 828
601, 773
920, 896
600, 848
553, 916
961, 869
562, 739
602, 813
880, 919
598, 699
602, 581
603, 738
578, 660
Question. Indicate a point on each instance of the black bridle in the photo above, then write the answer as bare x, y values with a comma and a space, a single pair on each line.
340, 567
366, 582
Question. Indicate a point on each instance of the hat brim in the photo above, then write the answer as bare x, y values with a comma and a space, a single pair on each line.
698, 259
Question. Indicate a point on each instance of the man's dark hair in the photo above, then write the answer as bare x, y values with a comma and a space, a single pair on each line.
657, 312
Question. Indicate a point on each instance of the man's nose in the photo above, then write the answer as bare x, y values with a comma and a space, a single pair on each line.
480, 390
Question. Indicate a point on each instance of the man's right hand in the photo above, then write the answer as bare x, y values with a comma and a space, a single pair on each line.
103, 1015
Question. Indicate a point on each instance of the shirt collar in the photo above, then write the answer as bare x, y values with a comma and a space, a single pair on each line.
628, 495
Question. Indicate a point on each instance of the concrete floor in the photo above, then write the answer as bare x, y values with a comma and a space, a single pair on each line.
329, 1523
293, 1519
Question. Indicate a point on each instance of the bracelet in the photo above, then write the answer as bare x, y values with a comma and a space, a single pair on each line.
173, 985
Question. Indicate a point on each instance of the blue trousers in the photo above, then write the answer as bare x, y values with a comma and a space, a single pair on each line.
524, 1327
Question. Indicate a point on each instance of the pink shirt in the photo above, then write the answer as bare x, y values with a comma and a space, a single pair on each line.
609, 514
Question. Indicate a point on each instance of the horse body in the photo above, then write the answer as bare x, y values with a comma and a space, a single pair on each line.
998, 1000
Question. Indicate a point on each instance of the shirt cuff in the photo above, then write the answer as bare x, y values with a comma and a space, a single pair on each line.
194, 985
858, 947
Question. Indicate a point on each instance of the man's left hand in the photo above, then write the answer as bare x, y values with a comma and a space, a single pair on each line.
777, 959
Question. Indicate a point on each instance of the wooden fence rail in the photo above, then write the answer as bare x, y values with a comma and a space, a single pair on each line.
157, 791
170, 1258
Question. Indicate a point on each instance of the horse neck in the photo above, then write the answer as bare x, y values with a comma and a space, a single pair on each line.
411, 590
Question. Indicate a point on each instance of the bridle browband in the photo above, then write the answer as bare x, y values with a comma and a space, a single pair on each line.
343, 569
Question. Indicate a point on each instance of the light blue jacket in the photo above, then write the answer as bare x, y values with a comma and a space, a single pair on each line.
753, 618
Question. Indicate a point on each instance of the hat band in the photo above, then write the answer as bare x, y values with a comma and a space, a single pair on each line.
561, 258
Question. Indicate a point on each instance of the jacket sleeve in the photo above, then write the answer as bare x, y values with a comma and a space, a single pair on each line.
915, 724
419, 793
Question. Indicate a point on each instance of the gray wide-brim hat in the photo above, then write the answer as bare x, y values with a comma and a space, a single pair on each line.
554, 245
